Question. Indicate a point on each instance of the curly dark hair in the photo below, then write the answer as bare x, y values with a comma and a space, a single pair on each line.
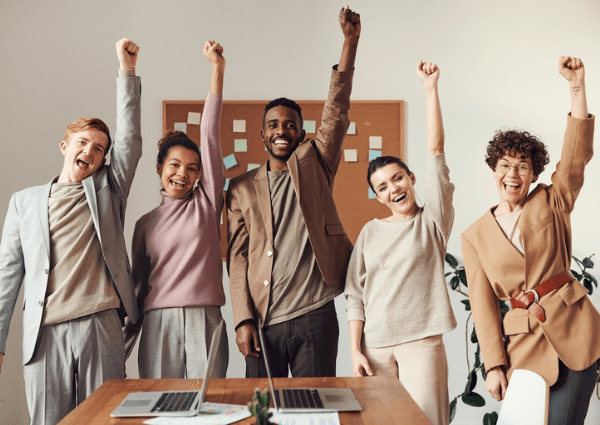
283, 101
382, 161
174, 138
520, 144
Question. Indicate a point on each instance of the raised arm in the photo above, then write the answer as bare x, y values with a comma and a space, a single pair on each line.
213, 179
429, 74
127, 148
574, 72
350, 23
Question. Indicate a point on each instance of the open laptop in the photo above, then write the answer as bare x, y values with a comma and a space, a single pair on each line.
307, 400
171, 403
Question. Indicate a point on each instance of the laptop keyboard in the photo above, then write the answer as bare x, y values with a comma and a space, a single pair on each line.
301, 398
175, 401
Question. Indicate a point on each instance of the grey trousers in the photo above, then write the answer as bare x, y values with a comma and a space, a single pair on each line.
307, 345
175, 343
71, 360
570, 396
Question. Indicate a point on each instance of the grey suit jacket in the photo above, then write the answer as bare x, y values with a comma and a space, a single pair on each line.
25, 246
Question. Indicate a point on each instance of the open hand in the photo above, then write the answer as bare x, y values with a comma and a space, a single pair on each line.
127, 52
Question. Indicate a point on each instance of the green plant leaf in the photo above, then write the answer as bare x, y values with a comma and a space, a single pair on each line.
471, 382
483, 372
462, 275
588, 285
453, 409
588, 263
477, 357
577, 275
592, 278
451, 261
448, 274
473, 399
467, 304
474, 339
454, 282
490, 418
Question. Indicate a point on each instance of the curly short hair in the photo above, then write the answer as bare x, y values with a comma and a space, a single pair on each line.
520, 144
283, 101
174, 138
382, 161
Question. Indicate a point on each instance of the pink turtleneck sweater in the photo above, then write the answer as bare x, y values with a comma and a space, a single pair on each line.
176, 247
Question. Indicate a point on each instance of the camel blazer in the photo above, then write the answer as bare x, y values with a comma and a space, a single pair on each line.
497, 270
25, 247
312, 169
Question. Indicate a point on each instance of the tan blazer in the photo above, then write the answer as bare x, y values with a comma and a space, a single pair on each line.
249, 218
496, 269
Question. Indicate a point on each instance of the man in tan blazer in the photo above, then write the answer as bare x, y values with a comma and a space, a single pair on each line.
503, 258
288, 251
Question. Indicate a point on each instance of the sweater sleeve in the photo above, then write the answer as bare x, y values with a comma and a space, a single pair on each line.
213, 178
439, 193
355, 281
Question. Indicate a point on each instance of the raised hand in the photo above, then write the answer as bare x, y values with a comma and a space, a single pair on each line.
428, 73
127, 52
571, 68
350, 23
214, 53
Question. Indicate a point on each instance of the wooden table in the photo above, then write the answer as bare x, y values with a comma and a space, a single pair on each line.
384, 400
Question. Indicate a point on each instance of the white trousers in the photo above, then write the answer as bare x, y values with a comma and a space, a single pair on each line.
71, 360
422, 368
175, 343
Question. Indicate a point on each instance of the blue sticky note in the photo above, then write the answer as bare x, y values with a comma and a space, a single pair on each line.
226, 185
229, 161
374, 154
371, 194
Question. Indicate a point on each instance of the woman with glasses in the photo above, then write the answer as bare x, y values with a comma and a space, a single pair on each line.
520, 251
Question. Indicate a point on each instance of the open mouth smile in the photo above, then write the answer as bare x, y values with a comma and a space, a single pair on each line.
177, 184
399, 198
83, 164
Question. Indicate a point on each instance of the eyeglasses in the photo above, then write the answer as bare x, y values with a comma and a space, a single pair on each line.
504, 167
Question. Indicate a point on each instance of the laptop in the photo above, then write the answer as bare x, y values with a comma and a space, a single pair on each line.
171, 403
308, 400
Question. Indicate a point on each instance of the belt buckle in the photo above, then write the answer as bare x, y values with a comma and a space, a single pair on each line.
537, 296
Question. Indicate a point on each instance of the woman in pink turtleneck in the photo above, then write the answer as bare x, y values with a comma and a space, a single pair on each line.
177, 266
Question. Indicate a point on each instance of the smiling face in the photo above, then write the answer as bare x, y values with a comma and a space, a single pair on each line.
84, 153
179, 171
512, 186
394, 187
282, 133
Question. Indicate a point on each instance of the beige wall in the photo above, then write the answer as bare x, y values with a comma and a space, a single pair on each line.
498, 69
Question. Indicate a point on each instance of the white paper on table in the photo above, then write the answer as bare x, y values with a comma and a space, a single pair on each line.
331, 418
210, 414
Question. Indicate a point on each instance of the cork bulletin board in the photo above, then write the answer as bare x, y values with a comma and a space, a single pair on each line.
377, 128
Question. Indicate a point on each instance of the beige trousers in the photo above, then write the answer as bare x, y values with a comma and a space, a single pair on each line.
422, 369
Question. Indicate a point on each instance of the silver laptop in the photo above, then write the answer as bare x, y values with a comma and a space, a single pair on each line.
171, 403
306, 400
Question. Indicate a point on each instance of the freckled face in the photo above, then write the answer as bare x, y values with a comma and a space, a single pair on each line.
512, 186
394, 188
84, 153
179, 171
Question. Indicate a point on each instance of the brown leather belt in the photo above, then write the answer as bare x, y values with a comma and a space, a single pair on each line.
529, 299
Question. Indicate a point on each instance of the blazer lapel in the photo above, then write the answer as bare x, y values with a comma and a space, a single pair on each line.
42, 203
90, 196
261, 185
293, 167
503, 246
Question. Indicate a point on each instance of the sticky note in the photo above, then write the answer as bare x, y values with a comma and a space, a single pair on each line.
180, 126
374, 154
193, 118
226, 185
371, 194
375, 142
350, 155
229, 161
252, 166
240, 145
310, 126
352, 128
239, 126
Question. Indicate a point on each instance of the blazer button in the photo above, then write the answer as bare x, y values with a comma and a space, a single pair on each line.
41, 303
46, 271
266, 283
270, 253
